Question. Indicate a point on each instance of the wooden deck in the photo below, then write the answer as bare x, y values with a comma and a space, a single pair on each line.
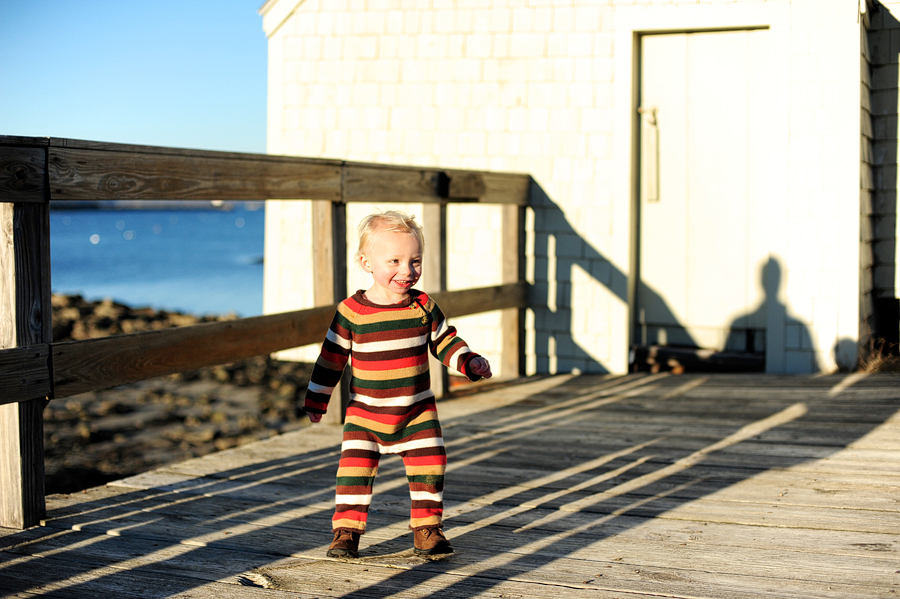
647, 485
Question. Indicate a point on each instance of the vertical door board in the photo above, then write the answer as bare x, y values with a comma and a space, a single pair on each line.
702, 230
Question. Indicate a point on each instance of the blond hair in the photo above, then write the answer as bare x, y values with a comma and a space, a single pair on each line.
389, 221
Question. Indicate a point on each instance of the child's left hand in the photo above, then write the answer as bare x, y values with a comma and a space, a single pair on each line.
481, 367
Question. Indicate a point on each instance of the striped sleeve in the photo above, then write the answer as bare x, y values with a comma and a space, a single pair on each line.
329, 366
447, 346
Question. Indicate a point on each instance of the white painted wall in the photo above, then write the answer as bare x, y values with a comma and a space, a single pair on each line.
545, 87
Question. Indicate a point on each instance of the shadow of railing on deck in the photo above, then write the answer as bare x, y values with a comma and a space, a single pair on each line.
591, 458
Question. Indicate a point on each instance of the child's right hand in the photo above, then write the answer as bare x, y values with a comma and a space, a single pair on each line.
314, 417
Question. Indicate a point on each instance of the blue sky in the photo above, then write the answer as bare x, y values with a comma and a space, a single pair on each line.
183, 73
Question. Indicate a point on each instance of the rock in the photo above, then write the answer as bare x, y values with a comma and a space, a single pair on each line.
97, 437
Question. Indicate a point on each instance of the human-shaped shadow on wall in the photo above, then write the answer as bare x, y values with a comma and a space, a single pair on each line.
784, 341
766, 338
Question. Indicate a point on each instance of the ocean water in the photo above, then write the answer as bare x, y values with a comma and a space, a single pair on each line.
201, 261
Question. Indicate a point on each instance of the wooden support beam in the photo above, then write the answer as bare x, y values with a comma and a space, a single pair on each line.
513, 270
434, 268
323, 254
25, 317
23, 172
329, 236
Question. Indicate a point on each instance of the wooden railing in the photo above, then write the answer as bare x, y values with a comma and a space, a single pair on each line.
35, 172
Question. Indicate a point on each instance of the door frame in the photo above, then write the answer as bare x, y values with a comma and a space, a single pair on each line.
632, 23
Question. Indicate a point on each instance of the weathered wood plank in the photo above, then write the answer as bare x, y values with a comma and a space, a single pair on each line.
7, 276
22, 174
52, 576
522, 475
513, 270
788, 487
482, 299
616, 427
805, 483
323, 254
80, 366
31, 224
329, 578
375, 184
434, 266
25, 373
150, 555
532, 486
24, 141
87, 365
329, 229
519, 491
621, 542
292, 519
307, 504
386, 183
84, 170
25, 314
505, 188
522, 526
112, 174
360, 578
764, 576
563, 558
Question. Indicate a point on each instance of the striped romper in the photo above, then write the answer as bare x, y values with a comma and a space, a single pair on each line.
392, 408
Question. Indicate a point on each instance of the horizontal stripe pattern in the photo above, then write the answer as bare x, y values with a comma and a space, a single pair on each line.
392, 408
425, 465
387, 348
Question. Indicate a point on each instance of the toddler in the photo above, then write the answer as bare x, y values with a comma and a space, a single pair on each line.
389, 329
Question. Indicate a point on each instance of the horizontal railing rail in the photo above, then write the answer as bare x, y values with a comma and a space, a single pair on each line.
92, 364
36, 172
50, 169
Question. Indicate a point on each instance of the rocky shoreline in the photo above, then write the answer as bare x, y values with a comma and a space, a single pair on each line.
93, 438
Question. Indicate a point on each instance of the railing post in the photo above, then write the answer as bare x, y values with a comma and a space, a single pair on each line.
512, 362
329, 234
24, 320
434, 265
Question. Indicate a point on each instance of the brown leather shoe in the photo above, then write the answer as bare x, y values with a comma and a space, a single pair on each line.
431, 541
345, 544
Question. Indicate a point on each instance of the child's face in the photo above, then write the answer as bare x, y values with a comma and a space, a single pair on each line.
395, 262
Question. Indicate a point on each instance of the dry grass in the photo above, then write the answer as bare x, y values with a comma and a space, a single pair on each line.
881, 357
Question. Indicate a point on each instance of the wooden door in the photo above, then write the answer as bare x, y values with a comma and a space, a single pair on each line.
702, 208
